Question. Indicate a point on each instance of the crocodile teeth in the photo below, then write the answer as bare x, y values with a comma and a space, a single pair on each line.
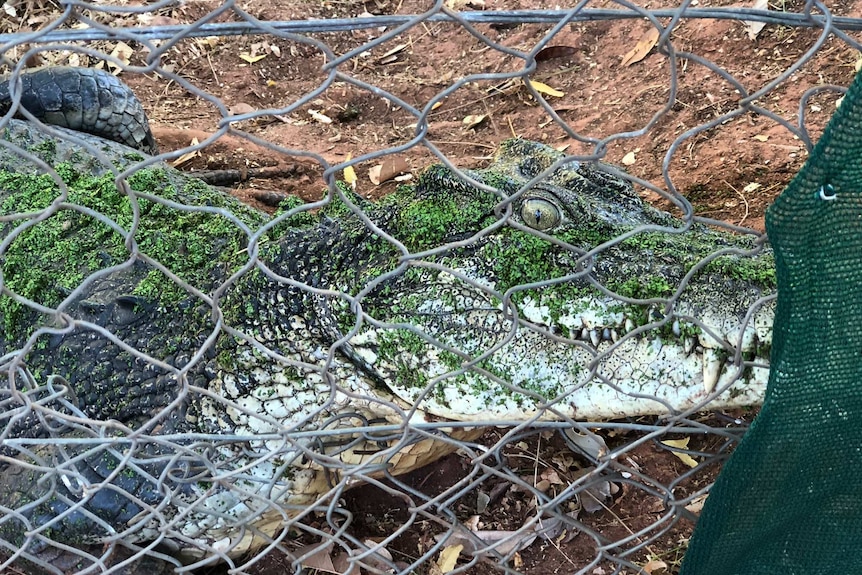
615, 337
585, 334
606, 334
711, 369
675, 328
630, 325
594, 337
688, 345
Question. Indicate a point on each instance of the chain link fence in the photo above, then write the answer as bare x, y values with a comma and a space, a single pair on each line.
194, 385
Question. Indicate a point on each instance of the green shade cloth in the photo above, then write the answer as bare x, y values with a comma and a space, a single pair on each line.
789, 499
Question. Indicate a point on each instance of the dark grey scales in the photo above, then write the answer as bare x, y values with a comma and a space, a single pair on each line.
86, 100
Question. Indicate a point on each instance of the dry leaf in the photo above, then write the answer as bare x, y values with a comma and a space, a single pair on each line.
156, 20
681, 444
514, 540
552, 477
350, 176
449, 558
482, 501
350, 173
556, 529
391, 55
751, 187
240, 108
760, 138
517, 561
563, 461
322, 118
320, 558
379, 561
459, 4
252, 59
642, 48
594, 495
696, 504
389, 169
473, 120
436, 105
38, 20
629, 159
188, 156
754, 28
655, 567
552, 52
545, 89
341, 563
10, 10
586, 443
208, 42
506, 542
374, 174
121, 52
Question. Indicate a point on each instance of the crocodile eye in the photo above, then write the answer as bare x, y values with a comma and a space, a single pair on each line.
540, 214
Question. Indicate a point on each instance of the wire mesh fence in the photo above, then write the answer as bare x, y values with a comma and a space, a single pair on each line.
192, 384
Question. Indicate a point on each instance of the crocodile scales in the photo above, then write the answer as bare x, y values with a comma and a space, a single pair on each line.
83, 99
222, 396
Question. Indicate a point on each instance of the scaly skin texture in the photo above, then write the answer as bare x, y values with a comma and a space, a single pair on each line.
83, 99
331, 327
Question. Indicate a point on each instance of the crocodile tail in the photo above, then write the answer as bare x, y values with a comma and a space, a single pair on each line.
85, 100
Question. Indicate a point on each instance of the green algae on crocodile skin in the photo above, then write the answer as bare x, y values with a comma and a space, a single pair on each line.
264, 338
678, 362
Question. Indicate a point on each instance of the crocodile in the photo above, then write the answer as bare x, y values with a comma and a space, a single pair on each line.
84, 99
183, 373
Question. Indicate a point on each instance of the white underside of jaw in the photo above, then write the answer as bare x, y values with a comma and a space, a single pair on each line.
641, 376
607, 368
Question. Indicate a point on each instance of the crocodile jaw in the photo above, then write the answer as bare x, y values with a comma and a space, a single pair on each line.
608, 367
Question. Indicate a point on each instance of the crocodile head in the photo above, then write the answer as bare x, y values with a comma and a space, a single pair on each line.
539, 288
549, 284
